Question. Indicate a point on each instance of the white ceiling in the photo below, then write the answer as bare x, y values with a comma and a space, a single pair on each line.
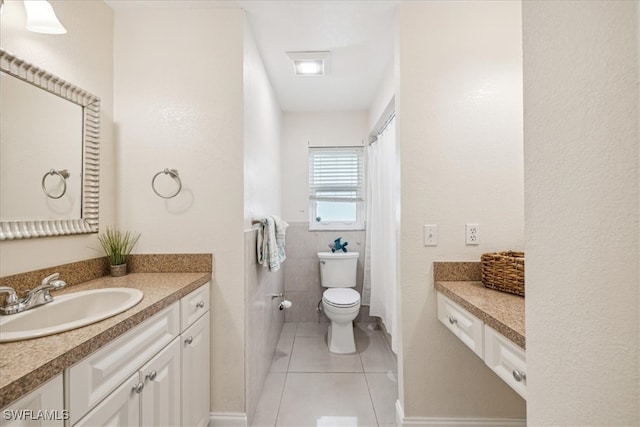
359, 35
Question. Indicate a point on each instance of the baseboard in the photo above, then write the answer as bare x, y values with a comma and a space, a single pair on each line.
228, 419
403, 421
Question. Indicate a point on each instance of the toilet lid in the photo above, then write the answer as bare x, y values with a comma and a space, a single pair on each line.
341, 297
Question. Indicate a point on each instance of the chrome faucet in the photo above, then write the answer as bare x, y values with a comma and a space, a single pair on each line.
35, 297
12, 301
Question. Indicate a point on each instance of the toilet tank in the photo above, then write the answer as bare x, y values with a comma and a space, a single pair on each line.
338, 269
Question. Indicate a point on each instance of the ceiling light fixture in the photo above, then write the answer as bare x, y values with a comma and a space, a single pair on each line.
41, 18
311, 63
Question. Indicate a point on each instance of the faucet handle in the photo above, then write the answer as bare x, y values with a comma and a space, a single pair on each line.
48, 279
12, 297
53, 282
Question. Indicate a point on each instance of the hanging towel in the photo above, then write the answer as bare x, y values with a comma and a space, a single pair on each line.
271, 242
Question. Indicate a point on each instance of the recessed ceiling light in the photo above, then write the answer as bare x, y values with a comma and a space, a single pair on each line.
310, 63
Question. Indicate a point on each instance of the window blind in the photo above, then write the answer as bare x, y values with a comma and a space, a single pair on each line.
336, 174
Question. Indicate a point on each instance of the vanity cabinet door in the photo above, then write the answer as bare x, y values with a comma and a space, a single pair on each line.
161, 393
120, 409
195, 373
43, 402
93, 378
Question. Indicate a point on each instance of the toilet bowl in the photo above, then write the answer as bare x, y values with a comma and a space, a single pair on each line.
340, 302
341, 305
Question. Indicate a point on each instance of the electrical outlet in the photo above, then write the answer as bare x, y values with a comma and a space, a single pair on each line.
430, 235
471, 234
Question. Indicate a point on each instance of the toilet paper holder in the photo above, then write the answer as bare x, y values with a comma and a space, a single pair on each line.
284, 304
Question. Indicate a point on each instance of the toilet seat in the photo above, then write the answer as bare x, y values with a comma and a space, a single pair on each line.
341, 297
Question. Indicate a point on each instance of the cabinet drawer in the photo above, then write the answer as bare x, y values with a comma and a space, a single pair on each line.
506, 359
94, 377
463, 324
193, 306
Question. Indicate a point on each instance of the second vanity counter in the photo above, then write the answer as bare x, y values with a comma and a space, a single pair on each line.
24, 365
501, 311
490, 323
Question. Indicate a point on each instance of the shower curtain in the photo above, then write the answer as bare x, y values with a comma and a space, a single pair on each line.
383, 201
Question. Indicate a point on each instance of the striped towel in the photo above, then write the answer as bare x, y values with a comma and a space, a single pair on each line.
271, 242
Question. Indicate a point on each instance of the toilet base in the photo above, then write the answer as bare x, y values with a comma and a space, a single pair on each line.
340, 338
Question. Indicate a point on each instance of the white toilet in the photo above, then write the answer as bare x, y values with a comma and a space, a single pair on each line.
340, 302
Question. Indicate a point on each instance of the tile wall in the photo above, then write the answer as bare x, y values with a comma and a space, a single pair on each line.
302, 270
263, 320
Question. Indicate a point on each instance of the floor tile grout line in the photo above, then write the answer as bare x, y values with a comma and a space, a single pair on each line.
286, 374
366, 381
359, 355
293, 343
363, 372
375, 413
284, 385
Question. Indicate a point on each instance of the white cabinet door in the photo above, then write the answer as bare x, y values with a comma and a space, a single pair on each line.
43, 407
96, 376
120, 409
161, 394
195, 373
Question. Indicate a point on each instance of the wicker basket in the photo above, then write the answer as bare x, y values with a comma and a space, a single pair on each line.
504, 271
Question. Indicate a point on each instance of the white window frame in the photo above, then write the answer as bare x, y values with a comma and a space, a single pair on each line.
359, 223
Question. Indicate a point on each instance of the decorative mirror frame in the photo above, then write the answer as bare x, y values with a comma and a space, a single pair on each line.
88, 222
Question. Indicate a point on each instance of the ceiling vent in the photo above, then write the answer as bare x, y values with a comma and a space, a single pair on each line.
311, 63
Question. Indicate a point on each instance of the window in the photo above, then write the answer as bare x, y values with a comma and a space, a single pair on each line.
336, 188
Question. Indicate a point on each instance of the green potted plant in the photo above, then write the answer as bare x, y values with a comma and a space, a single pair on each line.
118, 244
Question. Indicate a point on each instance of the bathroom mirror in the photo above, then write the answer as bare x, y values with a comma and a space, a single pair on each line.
49, 153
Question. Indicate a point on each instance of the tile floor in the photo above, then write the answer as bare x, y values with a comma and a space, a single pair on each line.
309, 386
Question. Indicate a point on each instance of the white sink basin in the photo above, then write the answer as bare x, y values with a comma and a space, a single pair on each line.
67, 312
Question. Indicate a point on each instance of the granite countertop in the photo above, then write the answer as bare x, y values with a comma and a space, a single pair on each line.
24, 365
502, 311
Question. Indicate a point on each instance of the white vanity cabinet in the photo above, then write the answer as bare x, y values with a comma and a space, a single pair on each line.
463, 324
120, 409
95, 377
155, 374
195, 373
149, 397
43, 407
505, 358
194, 310
160, 397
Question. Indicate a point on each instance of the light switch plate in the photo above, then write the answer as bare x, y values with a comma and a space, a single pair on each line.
430, 235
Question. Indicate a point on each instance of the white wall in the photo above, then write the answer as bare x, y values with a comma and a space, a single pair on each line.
459, 107
581, 132
262, 142
302, 130
84, 57
179, 104
383, 106
262, 139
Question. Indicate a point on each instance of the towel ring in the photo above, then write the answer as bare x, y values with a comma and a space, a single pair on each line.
63, 175
174, 175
